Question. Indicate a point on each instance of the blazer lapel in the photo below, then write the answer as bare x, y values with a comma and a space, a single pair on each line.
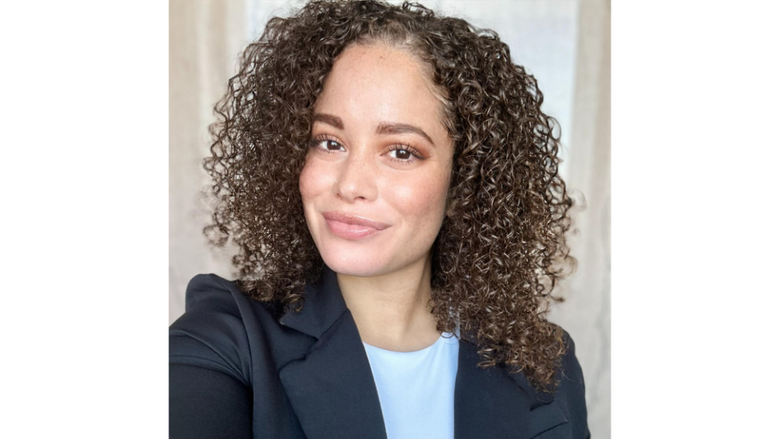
490, 403
331, 389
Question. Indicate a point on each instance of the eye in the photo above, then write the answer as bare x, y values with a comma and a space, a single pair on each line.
326, 144
401, 154
331, 145
404, 154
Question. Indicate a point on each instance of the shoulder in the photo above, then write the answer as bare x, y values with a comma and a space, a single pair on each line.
215, 330
224, 329
561, 414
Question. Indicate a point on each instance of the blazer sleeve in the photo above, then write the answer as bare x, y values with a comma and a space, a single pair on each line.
210, 392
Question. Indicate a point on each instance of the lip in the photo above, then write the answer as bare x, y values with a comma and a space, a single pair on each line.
349, 226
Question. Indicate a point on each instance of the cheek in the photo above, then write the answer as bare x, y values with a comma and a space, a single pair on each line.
425, 199
312, 181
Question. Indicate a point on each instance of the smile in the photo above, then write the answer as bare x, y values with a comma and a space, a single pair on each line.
351, 227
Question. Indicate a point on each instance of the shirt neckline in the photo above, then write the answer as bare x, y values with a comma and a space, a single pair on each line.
443, 338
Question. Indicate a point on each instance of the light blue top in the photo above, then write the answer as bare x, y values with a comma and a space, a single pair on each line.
417, 389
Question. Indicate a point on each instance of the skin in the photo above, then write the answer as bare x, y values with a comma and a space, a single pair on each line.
379, 152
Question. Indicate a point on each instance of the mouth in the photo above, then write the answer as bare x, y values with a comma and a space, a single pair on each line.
350, 226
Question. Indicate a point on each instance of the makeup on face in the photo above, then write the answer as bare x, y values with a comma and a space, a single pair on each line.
375, 182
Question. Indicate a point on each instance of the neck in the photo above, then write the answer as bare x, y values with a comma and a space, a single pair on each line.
391, 311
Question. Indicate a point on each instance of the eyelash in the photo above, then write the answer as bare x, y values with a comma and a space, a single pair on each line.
315, 142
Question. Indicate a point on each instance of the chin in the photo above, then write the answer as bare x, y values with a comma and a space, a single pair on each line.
354, 265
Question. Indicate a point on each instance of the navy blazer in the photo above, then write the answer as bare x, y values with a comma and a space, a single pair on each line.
236, 371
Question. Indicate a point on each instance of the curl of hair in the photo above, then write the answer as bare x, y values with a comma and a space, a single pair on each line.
501, 248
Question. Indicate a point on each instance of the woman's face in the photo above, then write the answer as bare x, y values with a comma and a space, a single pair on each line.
376, 177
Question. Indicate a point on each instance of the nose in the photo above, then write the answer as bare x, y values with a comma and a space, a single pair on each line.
357, 178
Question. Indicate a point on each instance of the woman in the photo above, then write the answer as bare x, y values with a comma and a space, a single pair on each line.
392, 185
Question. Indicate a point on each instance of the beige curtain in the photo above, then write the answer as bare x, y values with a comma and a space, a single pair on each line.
205, 40
586, 312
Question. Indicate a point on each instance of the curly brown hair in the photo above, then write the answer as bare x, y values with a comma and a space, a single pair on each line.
501, 248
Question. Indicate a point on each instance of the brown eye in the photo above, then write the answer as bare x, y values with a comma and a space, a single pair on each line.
326, 145
402, 154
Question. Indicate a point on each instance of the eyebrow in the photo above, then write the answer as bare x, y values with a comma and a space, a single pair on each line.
329, 119
383, 128
401, 128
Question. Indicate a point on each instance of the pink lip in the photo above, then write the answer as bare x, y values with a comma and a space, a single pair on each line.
349, 226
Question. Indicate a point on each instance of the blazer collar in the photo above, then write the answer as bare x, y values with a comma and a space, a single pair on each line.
332, 389
323, 305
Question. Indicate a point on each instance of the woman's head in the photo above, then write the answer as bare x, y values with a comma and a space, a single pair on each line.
375, 182
500, 247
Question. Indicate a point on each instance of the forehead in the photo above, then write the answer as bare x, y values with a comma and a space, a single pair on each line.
378, 78
359, 58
